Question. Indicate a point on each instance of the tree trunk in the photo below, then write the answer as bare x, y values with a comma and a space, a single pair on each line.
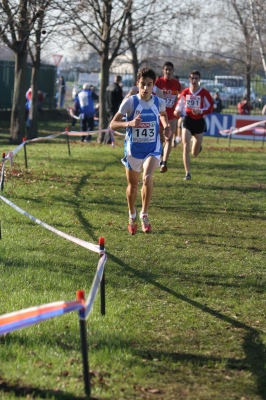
17, 124
135, 64
256, 27
248, 79
103, 119
133, 49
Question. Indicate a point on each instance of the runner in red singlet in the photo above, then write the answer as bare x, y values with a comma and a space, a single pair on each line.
193, 104
171, 87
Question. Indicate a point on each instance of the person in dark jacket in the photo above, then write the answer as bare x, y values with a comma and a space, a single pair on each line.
114, 97
217, 103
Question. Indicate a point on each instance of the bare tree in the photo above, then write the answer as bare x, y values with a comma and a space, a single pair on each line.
232, 38
100, 25
42, 32
151, 24
17, 19
258, 13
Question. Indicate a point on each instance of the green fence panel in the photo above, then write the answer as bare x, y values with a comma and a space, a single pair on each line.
46, 83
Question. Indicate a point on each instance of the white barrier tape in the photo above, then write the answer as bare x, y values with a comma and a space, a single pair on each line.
79, 133
10, 154
16, 150
80, 242
95, 286
259, 131
45, 137
75, 133
233, 131
226, 132
30, 316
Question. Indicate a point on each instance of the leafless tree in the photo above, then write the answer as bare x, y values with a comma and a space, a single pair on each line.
233, 38
43, 30
100, 25
153, 25
258, 13
17, 19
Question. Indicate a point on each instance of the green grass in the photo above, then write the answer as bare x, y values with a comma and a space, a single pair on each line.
185, 305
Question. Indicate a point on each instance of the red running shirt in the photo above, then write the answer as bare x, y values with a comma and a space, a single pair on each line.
187, 101
170, 88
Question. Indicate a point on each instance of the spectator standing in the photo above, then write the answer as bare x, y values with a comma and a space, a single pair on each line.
28, 104
27, 108
61, 92
217, 103
85, 104
244, 107
114, 97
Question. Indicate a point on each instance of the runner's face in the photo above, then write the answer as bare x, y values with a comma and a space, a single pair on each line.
168, 72
145, 86
194, 81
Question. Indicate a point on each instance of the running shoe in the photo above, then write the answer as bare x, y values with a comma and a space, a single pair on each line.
132, 225
145, 225
187, 177
163, 167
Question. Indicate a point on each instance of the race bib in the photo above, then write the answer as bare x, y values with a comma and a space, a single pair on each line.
145, 133
192, 101
169, 100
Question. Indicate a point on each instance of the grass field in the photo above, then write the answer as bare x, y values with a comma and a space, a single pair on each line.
185, 316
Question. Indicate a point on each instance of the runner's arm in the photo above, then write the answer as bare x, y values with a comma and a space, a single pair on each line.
117, 122
166, 127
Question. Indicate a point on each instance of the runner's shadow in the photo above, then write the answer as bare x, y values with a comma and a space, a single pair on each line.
253, 346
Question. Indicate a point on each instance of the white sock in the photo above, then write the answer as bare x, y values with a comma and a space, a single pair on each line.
141, 214
133, 215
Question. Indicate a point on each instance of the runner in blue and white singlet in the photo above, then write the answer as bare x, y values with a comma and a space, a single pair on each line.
143, 141
143, 112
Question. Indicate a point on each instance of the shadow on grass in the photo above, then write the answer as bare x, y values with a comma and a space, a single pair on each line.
253, 346
28, 391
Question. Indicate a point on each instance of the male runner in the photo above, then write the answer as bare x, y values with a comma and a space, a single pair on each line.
143, 112
171, 87
193, 103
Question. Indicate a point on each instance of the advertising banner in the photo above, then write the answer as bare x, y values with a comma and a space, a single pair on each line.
224, 122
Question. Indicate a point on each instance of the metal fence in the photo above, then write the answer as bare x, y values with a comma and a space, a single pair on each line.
230, 96
47, 80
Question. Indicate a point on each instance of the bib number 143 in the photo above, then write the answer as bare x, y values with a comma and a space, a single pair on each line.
145, 133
